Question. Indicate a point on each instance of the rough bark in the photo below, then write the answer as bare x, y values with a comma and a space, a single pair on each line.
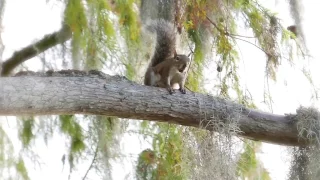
33, 50
77, 92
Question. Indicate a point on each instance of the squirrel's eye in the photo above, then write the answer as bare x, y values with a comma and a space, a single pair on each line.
177, 58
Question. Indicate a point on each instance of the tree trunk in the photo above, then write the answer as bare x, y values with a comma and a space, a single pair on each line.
78, 92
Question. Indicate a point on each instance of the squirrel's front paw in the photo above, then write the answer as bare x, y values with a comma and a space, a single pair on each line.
182, 90
171, 91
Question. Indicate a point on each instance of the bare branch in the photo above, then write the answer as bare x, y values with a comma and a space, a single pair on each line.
92, 162
33, 50
77, 92
235, 36
224, 32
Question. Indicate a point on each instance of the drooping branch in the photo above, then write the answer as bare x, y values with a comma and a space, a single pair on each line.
235, 36
33, 50
77, 92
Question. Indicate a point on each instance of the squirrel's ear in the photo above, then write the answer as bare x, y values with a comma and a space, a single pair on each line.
175, 54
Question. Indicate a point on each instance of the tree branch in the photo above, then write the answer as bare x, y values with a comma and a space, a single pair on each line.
235, 36
33, 50
77, 92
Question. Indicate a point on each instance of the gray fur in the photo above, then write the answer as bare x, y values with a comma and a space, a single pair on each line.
166, 40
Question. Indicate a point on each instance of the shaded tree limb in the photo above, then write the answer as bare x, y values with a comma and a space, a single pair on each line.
33, 50
78, 92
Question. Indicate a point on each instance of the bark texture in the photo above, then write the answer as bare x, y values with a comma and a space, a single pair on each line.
78, 92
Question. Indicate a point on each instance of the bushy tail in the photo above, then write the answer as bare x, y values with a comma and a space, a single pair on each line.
166, 40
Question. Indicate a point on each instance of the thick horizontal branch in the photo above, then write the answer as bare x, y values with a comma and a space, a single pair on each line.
33, 50
77, 92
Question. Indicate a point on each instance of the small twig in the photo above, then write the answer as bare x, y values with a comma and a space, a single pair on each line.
191, 59
226, 32
253, 45
192, 51
235, 36
93, 160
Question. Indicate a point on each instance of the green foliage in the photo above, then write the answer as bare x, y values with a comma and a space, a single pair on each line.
21, 169
101, 34
6, 149
94, 44
164, 161
168, 146
93, 38
128, 19
26, 134
70, 127
130, 71
248, 160
195, 72
265, 175
286, 35
105, 131
228, 58
265, 27
146, 165
75, 18
198, 12
73, 129
103, 19
249, 167
130, 30
102, 136
8, 161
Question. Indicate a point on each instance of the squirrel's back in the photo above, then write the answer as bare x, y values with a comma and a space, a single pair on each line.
166, 41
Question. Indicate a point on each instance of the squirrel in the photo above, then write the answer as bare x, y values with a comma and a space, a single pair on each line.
166, 67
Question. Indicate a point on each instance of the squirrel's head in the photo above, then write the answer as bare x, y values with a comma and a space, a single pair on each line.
182, 62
